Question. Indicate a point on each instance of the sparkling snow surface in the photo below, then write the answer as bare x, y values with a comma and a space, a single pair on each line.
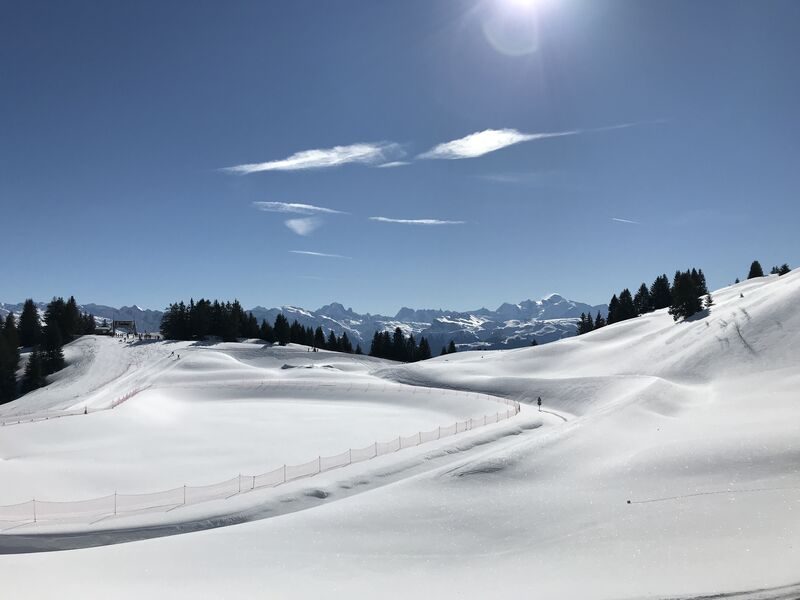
697, 424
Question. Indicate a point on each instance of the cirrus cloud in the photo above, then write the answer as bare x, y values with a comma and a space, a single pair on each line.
323, 254
490, 140
321, 158
416, 221
294, 207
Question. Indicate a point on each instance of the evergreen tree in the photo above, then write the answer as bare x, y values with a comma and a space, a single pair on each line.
585, 325
784, 269
641, 300
358, 349
444, 350
709, 301
660, 293
626, 309
599, 321
613, 310
297, 334
53, 359
451, 348
774, 270
737, 280
319, 338
685, 300
34, 376
30, 327
11, 333
282, 333
333, 343
533, 343
755, 270
424, 350
266, 332
376, 348
9, 362
399, 345
344, 343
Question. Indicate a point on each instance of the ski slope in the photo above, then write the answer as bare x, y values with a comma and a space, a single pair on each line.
675, 474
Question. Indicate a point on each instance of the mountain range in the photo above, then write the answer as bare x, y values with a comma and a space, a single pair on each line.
510, 326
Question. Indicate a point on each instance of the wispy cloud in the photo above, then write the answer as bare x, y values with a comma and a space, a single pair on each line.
394, 163
294, 207
625, 221
309, 253
490, 140
320, 158
416, 221
303, 226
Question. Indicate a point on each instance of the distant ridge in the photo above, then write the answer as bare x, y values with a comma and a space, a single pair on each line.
510, 326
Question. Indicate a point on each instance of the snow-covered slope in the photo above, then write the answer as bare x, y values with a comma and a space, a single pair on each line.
675, 473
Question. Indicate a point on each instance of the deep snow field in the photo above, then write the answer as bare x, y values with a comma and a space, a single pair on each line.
669, 466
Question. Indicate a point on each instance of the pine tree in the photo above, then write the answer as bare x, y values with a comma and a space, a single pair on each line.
613, 310
34, 376
30, 327
533, 343
585, 325
444, 350
332, 343
11, 333
9, 362
641, 301
266, 332
755, 270
660, 293
53, 359
358, 349
784, 269
685, 300
424, 350
344, 343
599, 321
626, 310
282, 333
399, 345
451, 348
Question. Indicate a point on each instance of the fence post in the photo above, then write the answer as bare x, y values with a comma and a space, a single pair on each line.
376, 449
349, 456
399, 443
284, 473
115, 502
439, 432
240, 483
34, 510
253, 483
319, 464
419, 438
184, 494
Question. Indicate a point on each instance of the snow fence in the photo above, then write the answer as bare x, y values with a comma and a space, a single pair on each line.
14, 516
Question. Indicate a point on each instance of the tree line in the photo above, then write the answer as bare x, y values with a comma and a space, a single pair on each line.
63, 321
687, 295
398, 347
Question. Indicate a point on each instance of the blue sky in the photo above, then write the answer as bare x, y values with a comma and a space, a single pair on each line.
120, 122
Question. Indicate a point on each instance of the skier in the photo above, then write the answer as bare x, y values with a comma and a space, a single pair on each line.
539, 402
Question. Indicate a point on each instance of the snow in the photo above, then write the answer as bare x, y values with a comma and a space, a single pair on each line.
696, 424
